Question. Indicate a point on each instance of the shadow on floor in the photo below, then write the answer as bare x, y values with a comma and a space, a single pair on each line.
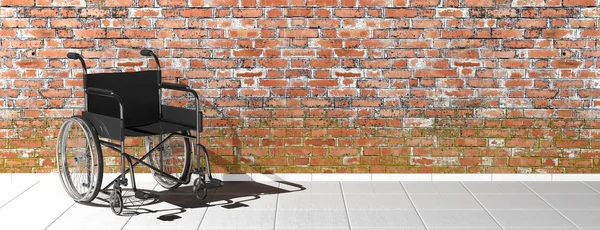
184, 198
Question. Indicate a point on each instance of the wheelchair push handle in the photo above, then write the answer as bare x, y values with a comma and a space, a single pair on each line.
146, 52
72, 55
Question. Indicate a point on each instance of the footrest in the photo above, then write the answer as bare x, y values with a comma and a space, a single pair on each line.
144, 195
214, 183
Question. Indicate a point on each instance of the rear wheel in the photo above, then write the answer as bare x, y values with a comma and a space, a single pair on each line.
175, 160
79, 159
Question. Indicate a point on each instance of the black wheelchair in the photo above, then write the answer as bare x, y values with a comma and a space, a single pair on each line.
128, 104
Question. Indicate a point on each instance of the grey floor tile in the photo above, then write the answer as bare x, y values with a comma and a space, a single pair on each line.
594, 185
445, 201
104, 218
581, 201
381, 201
311, 202
312, 187
495, 228
522, 201
385, 218
244, 202
176, 209
10, 190
36, 208
559, 187
395, 228
583, 218
375, 187
5, 177
312, 219
251, 187
530, 219
238, 218
226, 228
571, 228
435, 187
458, 219
497, 187
314, 228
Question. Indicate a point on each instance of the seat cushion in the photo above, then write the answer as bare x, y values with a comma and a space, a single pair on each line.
161, 127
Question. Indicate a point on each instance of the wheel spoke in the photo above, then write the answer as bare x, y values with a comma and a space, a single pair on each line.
176, 154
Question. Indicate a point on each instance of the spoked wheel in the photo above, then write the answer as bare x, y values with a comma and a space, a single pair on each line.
79, 159
173, 157
116, 201
200, 188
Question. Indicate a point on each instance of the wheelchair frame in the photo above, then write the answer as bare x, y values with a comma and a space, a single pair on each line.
111, 128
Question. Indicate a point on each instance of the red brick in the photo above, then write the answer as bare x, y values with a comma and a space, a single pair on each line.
118, 3
17, 3
426, 3
570, 3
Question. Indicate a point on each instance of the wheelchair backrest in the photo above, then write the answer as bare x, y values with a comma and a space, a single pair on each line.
139, 91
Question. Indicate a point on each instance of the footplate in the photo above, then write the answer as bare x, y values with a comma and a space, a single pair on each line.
214, 183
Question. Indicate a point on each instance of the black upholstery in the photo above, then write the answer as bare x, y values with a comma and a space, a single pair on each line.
161, 127
139, 91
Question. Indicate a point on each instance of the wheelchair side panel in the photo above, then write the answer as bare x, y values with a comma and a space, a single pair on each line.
181, 116
107, 127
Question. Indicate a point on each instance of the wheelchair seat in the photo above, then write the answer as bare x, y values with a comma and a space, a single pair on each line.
160, 127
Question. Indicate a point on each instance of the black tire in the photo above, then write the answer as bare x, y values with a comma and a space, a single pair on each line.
168, 158
85, 160
200, 188
116, 202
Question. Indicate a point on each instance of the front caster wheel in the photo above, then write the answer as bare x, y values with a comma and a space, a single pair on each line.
200, 188
116, 202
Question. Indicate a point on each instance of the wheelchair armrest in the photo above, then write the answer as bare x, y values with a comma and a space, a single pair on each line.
174, 86
106, 93
181, 87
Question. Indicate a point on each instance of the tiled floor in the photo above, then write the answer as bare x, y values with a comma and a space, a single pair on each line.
39, 202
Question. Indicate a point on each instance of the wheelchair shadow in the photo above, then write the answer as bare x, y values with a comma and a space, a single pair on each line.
184, 198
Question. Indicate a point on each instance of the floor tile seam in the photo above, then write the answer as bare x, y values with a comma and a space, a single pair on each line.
414, 206
583, 182
276, 208
206, 211
18, 195
548, 203
481, 204
345, 206
72, 204
138, 207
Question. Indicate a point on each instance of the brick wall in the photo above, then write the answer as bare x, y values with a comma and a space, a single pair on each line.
475, 86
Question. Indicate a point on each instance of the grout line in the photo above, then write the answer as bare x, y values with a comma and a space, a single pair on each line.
203, 215
60, 215
484, 208
413, 204
551, 206
138, 207
20, 194
345, 206
276, 205
589, 187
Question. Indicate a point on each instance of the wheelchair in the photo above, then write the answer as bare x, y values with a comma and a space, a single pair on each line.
119, 105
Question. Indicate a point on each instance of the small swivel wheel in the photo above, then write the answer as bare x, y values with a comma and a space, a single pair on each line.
116, 201
200, 188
